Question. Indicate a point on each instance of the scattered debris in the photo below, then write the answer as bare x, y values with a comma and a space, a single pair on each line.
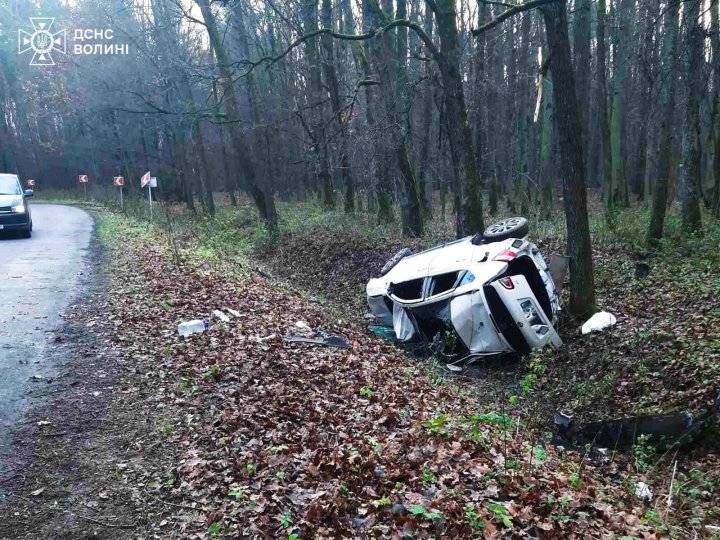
558, 266
642, 491
220, 315
233, 312
662, 431
330, 341
383, 332
599, 322
197, 326
304, 328
642, 270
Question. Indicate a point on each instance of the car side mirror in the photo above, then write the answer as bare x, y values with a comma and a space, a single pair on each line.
29, 193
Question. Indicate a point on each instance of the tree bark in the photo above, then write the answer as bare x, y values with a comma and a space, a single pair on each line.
691, 173
581, 56
582, 281
601, 76
264, 201
468, 196
715, 25
660, 197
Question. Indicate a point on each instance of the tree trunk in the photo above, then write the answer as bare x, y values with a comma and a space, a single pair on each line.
264, 201
619, 93
426, 123
601, 76
670, 46
691, 174
582, 281
715, 17
581, 56
468, 196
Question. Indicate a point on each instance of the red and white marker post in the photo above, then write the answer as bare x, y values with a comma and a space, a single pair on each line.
83, 178
145, 181
119, 181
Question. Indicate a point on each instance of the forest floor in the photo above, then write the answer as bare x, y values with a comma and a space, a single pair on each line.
237, 433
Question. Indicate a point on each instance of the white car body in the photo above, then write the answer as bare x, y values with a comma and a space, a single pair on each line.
498, 297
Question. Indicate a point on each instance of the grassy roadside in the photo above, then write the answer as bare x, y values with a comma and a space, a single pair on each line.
263, 421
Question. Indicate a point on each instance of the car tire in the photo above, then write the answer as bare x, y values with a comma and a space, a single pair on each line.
514, 227
27, 233
399, 256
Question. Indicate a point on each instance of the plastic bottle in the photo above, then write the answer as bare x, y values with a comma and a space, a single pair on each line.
188, 328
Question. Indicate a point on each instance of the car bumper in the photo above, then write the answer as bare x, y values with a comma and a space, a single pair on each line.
14, 222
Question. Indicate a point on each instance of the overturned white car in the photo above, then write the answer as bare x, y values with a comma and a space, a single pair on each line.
493, 291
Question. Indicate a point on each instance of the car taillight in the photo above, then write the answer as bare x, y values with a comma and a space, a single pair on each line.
507, 283
506, 255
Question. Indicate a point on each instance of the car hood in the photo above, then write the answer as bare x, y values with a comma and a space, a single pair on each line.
9, 200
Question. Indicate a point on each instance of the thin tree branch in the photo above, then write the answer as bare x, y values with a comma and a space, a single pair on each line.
270, 60
511, 12
491, 3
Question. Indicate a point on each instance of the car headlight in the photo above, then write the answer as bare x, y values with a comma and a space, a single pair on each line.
19, 208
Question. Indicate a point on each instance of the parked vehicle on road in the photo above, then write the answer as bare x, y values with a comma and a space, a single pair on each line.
14, 208
493, 291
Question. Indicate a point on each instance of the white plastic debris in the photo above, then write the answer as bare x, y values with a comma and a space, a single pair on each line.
232, 312
303, 328
642, 491
188, 328
220, 315
599, 322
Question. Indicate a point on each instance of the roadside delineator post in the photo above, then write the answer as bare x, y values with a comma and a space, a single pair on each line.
84, 181
119, 181
146, 181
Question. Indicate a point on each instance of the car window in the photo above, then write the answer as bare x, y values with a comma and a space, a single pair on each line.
9, 185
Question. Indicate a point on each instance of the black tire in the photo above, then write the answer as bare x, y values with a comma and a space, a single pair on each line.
399, 256
26, 233
514, 227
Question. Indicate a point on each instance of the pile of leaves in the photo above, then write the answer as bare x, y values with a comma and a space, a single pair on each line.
287, 440
336, 266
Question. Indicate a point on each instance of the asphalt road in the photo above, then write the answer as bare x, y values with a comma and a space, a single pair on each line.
38, 278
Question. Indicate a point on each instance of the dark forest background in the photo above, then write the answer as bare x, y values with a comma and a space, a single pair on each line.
379, 106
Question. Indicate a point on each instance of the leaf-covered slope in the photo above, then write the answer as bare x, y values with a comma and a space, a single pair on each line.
282, 439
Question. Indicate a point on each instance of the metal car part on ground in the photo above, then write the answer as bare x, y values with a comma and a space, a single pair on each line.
493, 291
662, 431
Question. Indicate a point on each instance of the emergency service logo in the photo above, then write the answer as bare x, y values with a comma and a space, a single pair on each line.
42, 41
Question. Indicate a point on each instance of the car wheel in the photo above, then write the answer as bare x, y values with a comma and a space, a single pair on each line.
27, 233
400, 255
514, 227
